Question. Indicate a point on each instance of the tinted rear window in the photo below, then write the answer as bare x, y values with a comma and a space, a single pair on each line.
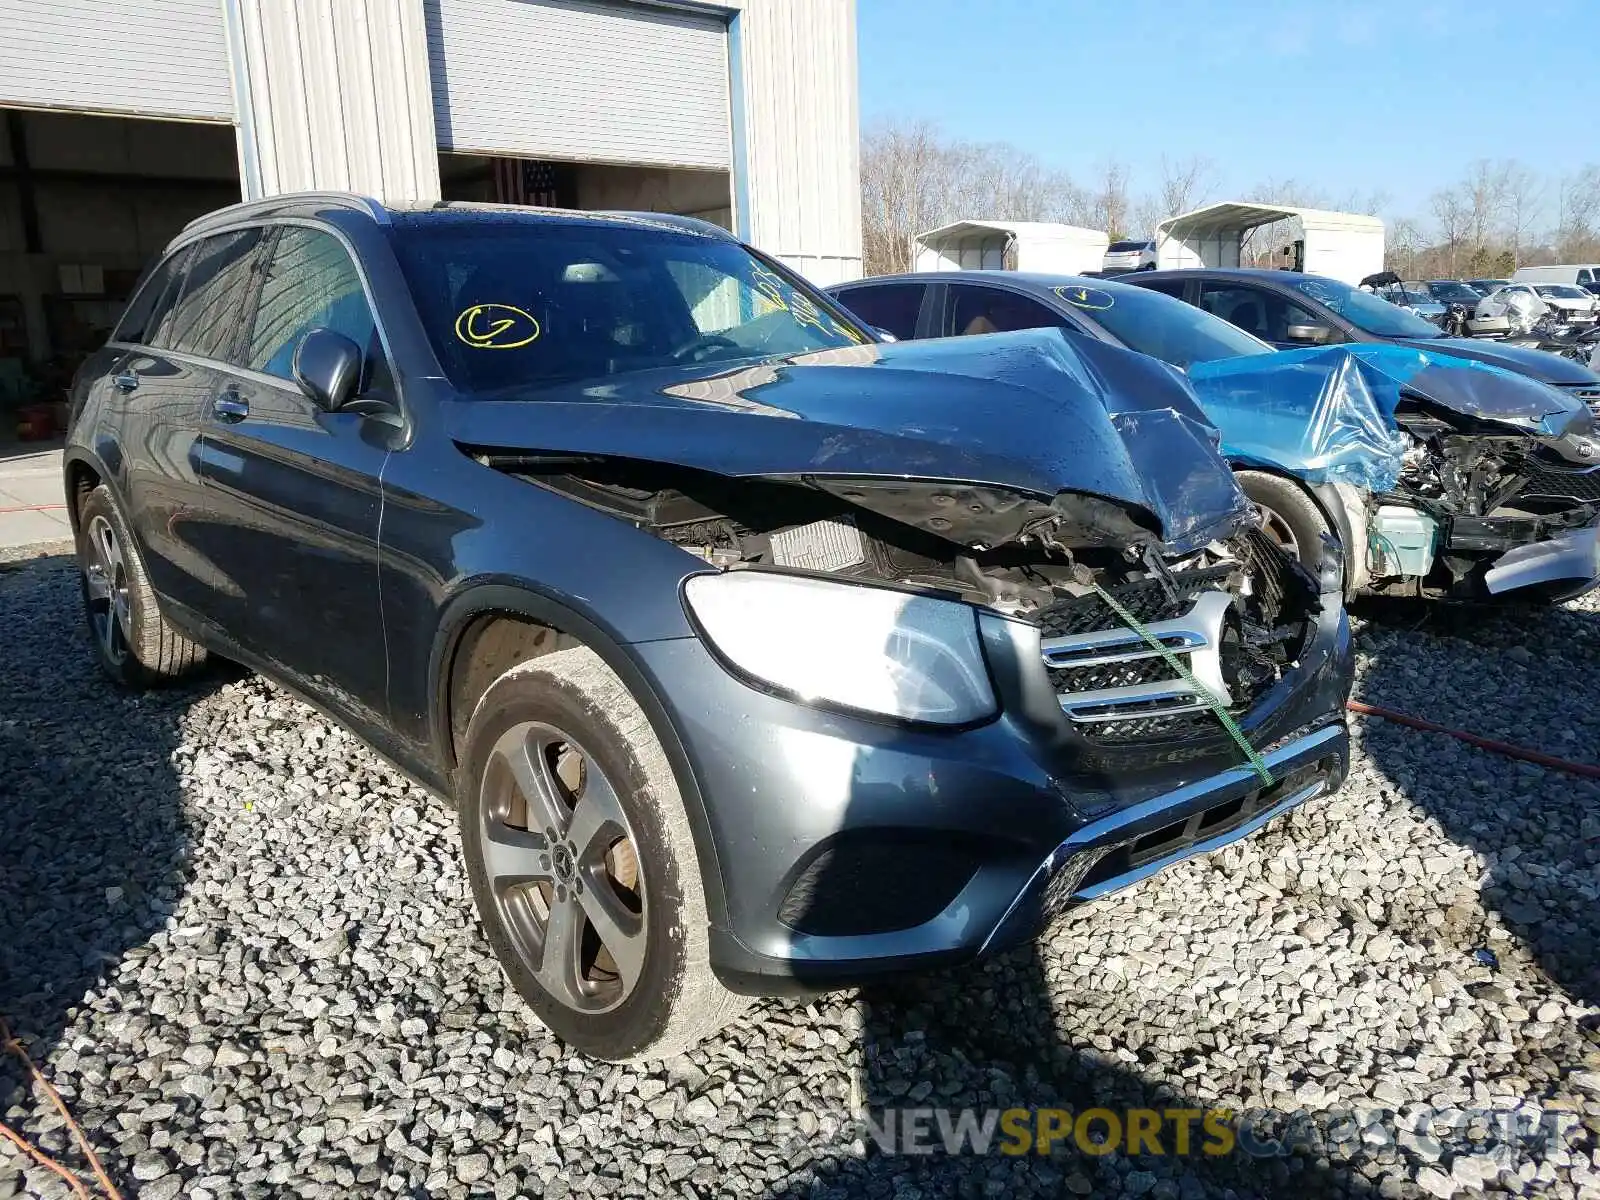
152, 301
890, 306
1123, 247
206, 321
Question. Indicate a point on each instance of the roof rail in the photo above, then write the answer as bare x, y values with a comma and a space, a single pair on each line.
688, 224
267, 205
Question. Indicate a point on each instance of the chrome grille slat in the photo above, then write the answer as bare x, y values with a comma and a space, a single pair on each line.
1195, 638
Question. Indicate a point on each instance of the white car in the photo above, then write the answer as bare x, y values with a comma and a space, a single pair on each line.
1518, 303
1129, 256
1572, 304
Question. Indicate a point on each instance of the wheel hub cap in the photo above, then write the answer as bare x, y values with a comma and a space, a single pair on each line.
105, 578
560, 855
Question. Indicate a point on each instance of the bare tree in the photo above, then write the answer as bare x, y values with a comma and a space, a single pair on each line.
1455, 225
1524, 205
1577, 232
914, 178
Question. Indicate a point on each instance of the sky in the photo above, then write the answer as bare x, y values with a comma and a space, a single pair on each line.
1351, 97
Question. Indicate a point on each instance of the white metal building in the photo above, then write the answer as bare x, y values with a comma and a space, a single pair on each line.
1341, 245
122, 119
1010, 246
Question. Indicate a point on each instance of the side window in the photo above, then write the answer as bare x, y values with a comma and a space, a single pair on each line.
152, 302
215, 291
1247, 308
1167, 287
310, 283
891, 306
992, 310
1584, 275
1254, 310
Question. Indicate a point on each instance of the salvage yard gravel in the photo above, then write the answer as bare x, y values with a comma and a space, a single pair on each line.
243, 949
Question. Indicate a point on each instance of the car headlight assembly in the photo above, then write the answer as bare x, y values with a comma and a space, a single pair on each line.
867, 649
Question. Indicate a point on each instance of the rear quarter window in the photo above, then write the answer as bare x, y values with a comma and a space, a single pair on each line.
890, 306
152, 300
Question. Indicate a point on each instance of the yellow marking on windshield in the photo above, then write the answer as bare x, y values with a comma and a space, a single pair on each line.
496, 327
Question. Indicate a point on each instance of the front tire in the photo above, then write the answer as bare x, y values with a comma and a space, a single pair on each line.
134, 643
1288, 515
582, 863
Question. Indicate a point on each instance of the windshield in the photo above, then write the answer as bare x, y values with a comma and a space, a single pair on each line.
1562, 291
1364, 310
511, 302
1159, 325
1451, 292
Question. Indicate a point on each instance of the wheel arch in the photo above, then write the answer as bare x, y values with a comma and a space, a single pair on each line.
488, 628
82, 473
1334, 506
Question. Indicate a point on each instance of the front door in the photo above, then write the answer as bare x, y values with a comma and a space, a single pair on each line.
293, 490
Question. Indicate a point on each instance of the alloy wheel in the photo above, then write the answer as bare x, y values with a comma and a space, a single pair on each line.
563, 867
106, 584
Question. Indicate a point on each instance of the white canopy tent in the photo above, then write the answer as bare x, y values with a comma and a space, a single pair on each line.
1010, 245
1347, 246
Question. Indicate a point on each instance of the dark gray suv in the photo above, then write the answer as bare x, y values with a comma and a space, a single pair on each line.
756, 655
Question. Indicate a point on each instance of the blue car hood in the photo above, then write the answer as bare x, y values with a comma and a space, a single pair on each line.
1524, 360
1327, 414
1026, 417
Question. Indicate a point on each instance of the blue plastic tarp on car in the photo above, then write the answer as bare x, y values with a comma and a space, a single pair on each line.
1326, 414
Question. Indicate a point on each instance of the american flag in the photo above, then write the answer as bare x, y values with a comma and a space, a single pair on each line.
522, 181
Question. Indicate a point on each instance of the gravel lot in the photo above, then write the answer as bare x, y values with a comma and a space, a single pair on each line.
242, 948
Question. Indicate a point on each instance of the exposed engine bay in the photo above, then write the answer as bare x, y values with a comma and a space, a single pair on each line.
1237, 610
1468, 491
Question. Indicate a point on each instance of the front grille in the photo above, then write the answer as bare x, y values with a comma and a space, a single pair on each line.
1550, 483
1115, 688
1588, 393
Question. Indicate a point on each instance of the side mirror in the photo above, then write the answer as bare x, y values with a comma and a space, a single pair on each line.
1311, 335
327, 366
883, 334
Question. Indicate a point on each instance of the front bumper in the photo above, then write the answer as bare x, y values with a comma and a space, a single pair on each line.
1563, 566
849, 849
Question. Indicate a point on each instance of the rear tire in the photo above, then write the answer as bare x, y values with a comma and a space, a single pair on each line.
1288, 515
583, 865
134, 643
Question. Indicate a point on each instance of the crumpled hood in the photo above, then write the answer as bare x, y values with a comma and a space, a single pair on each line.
1538, 364
1327, 414
1028, 413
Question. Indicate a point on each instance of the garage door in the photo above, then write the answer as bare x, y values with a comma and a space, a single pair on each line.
160, 58
580, 81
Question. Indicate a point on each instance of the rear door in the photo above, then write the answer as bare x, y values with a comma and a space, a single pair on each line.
157, 399
293, 490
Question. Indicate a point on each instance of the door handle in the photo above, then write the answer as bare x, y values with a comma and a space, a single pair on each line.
127, 381
230, 407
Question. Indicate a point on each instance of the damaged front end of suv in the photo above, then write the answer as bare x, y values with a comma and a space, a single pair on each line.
1443, 478
973, 632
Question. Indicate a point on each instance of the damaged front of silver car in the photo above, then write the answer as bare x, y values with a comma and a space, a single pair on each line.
960, 632
1443, 478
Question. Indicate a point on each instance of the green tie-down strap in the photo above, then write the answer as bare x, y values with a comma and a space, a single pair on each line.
1258, 763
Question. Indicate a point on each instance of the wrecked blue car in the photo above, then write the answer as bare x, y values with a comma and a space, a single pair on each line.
1436, 476
1442, 477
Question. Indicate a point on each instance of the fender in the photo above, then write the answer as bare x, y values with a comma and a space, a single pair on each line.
1335, 501
519, 599
105, 460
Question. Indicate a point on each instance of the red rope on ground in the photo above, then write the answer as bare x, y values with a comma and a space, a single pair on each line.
1585, 770
38, 1155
